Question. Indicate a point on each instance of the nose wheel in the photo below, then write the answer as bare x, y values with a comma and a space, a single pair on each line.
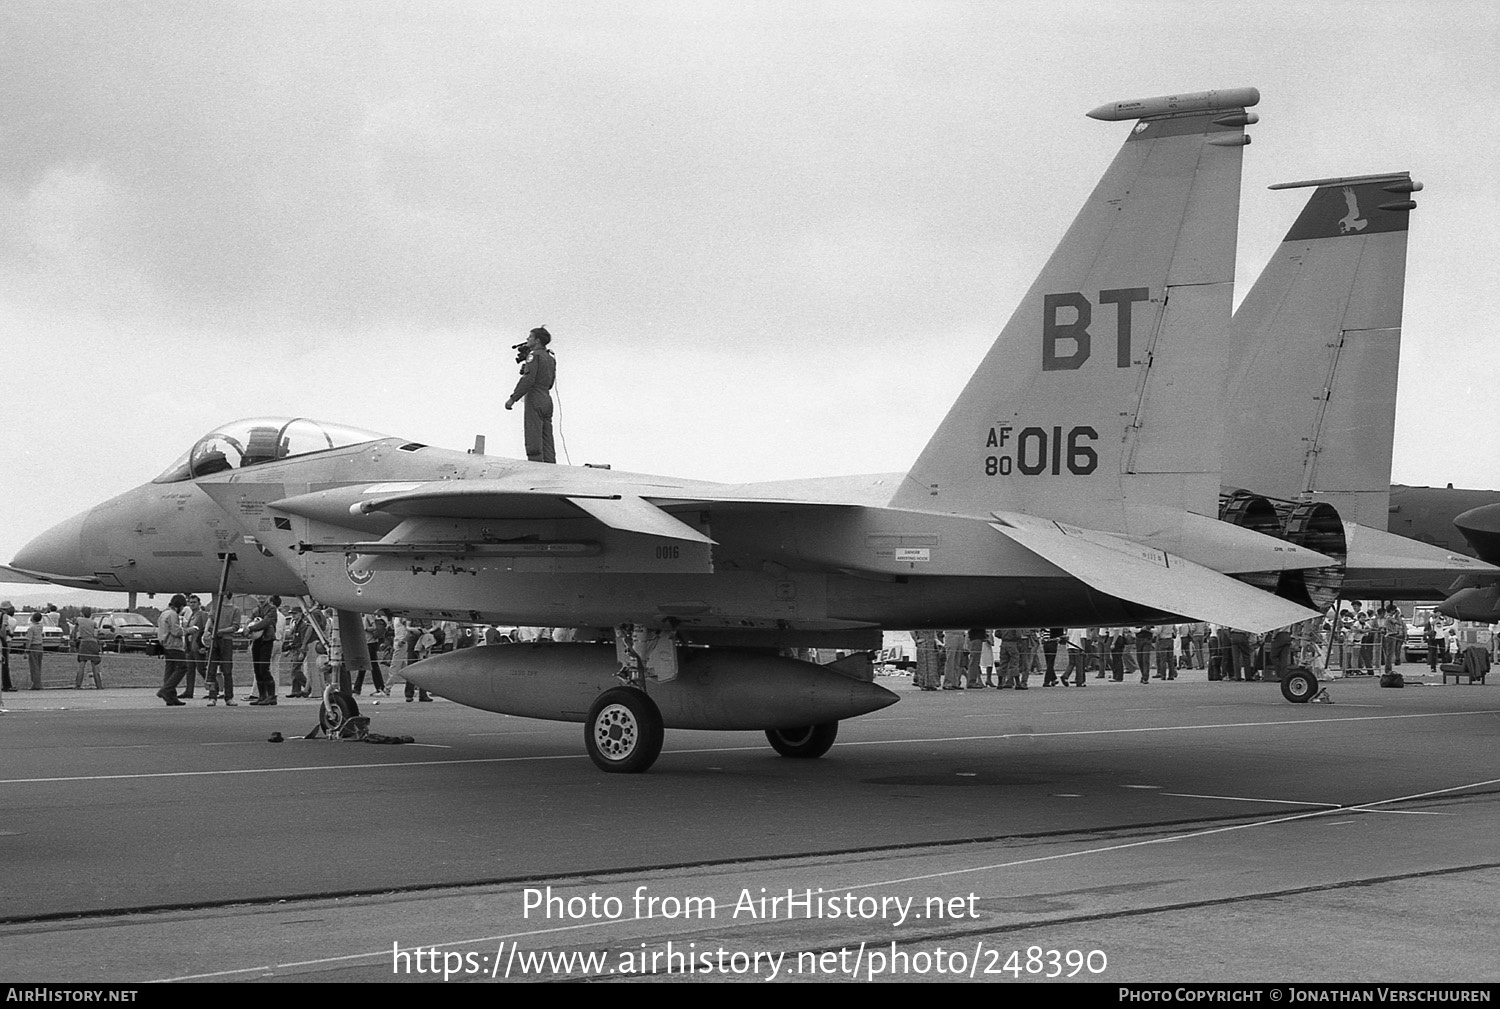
623, 732
337, 714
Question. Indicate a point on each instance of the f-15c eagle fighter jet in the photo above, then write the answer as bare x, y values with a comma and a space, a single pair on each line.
1074, 482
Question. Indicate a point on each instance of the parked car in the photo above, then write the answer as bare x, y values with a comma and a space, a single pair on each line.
53, 639
126, 632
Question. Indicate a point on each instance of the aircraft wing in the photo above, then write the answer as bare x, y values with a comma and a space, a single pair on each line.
628, 507
622, 511
1151, 577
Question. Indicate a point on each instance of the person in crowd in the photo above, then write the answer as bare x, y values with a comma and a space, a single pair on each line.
398, 635
973, 653
36, 640
421, 641
85, 643
376, 628
295, 649
195, 642
1054, 637
221, 629
1367, 632
1075, 641
1011, 642
1279, 653
169, 634
1213, 657
955, 652
1394, 636
1096, 648
1432, 638
313, 645
1166, 652
7, 625
262, 631
1239, 655
927, 676
278, 645
1145, 648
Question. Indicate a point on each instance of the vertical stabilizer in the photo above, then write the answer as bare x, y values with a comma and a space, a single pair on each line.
1103, 392
1315, 346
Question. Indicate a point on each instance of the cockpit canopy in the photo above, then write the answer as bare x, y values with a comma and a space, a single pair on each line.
261, 439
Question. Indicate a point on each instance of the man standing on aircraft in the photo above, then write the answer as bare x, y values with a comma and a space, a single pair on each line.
538, 374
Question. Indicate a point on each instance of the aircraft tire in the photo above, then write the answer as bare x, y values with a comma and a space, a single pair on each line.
1299, 686
806, 742
623, 732
337, 710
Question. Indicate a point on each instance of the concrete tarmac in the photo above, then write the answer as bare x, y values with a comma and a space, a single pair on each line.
1182, 831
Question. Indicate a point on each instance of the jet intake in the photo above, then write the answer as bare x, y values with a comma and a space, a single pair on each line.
1479, 604
1481, 528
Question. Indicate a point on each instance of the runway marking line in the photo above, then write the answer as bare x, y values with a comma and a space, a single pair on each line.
740, 749
1243, 798
1357, 808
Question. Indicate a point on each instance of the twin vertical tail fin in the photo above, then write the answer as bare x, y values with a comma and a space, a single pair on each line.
1314, 352
1103, 392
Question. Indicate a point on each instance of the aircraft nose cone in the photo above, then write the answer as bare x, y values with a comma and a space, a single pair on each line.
58, 551
1481, 527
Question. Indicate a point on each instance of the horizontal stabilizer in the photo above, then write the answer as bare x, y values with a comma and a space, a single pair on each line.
1150, 577
1379, 550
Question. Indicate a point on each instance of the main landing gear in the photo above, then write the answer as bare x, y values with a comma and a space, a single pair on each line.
624, 731
729, 689
806, 742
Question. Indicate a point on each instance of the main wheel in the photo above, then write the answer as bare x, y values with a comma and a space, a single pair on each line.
623, 732
808, 741
1299, 686
335, 711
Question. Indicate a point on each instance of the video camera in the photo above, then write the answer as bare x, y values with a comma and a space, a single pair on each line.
523, 351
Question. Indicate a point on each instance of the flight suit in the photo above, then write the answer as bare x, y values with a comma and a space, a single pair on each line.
538, 375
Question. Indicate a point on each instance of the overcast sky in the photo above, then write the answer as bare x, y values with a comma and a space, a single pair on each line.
771, 240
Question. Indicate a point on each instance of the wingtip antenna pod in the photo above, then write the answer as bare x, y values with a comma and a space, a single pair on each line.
1167, 105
